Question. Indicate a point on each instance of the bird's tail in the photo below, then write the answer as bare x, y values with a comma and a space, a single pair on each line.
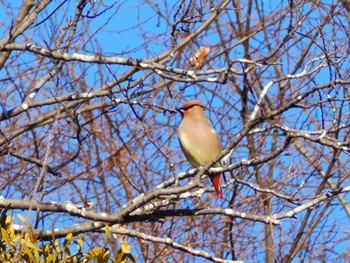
215, 179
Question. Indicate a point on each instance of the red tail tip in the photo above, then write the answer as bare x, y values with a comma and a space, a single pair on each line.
219, 194
215, 179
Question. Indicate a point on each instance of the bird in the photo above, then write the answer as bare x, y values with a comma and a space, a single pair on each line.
199, 141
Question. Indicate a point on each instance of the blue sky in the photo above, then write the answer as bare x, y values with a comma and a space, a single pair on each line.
129, 28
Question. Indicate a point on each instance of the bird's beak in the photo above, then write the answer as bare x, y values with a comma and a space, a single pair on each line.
179, 110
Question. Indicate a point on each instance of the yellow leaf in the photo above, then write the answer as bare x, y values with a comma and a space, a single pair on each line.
27, 252
6, 238
8, 220
80, 241
119, 256
125, 247
57, 247
31, 250
30, 245
105, 257
107, 234
51, 258
66, 243
29, 236
69, 236
48, 249
16, 238
11, 232
95, 252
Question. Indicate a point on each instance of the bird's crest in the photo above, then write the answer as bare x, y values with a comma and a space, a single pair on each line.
192, 103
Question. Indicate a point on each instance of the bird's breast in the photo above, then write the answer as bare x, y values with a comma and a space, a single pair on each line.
199, 142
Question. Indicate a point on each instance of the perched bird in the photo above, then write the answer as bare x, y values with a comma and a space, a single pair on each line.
199, 141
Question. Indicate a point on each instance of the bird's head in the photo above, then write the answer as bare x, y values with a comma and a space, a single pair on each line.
191, 107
